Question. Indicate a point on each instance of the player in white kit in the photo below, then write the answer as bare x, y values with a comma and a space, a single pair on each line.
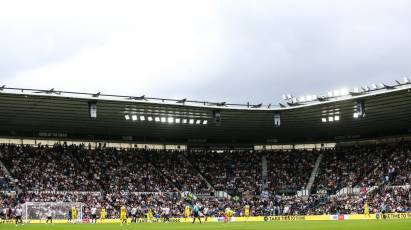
93, 213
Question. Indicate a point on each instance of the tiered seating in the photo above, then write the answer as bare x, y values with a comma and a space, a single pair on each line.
177, 169
236, 172
55, 173
290, 171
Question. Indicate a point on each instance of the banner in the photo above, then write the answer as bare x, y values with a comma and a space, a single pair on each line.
341, 217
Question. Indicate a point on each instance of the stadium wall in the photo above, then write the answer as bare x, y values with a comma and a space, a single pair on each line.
341, 217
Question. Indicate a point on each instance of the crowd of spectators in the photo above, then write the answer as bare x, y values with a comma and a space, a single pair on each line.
364, 167
153, 179
236, 172
176, 167
289, 171
6, 182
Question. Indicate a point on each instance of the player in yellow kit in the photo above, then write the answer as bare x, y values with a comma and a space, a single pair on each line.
228, 215
73, 215
366, 210
123, 215
149, 215
186, 212
103, 214
246, 212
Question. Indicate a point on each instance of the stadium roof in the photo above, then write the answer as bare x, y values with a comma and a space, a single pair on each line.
59, 114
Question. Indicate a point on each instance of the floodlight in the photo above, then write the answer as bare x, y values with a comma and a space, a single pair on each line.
127, 117
289, 96
309, 98
406, 80
336, 118
330, 119
134, 117
170, 120
330, 94
356, 90
163, 119
150, 118
374, 86
177, 120
205, 122
191, 121
324, 119
284, 97
198, 122
142, 118
344, 92
184, 121
157, 119
355, 115
381, 85
337, 93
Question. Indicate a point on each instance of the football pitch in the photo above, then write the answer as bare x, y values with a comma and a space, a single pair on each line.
295, 225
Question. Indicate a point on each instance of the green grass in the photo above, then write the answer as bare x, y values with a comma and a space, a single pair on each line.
296, 225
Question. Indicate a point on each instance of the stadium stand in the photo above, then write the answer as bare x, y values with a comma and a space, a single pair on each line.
289, 171
380, 176
235, 172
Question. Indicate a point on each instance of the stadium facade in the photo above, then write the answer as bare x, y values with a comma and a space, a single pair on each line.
50, 114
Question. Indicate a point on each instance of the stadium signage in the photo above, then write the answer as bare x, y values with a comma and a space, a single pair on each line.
283, 218
393, 216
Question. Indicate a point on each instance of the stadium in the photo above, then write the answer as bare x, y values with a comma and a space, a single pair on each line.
343, 156
205, 115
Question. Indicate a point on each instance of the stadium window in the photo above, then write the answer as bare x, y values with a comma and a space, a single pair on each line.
163, 119
150, 118
184, 121
191, 121
277, 120
198, 122
92, 109
205, 122
359, 110
127, 117
330, 119
134, 117
336, 118
157, 119
324, 119
142, 118
177, 120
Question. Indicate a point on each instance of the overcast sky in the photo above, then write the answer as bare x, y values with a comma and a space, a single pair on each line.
235, 51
